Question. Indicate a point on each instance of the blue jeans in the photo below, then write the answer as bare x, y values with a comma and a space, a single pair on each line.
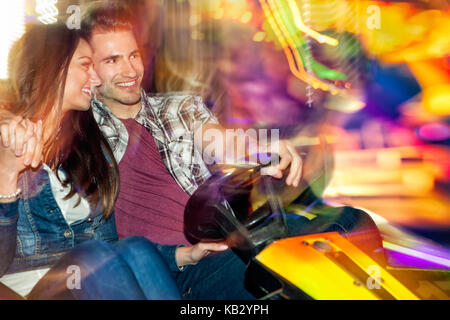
129, 269
221, 276
216, 277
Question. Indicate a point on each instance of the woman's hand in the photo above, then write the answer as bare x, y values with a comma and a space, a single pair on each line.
193, 254
23, 138
20, 147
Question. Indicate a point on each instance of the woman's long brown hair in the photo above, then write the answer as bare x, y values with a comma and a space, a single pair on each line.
38, 67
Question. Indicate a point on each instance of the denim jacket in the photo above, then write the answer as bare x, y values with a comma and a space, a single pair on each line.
34, 233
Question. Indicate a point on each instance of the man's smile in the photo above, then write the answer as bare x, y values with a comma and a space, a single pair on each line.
128, 84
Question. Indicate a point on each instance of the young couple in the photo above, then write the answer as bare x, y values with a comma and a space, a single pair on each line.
61, 197
59, 173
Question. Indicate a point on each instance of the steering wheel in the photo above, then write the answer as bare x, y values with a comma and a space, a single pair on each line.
246, 209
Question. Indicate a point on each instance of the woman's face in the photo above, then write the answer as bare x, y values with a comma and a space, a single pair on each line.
81, 79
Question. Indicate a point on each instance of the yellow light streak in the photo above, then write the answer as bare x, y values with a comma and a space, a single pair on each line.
310, 32
294, 59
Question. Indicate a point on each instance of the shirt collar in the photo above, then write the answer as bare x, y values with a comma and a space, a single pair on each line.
105, 110
147, 116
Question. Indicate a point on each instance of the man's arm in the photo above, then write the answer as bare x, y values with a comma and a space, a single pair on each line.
217, 144
222, 145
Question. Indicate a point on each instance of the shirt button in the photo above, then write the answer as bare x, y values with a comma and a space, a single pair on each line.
67, 233
89, 220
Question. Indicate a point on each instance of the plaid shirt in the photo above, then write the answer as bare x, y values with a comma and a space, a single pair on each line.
172, 120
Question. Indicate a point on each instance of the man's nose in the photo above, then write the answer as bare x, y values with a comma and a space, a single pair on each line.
128, 70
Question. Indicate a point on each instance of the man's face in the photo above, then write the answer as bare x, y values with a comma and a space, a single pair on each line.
118, 63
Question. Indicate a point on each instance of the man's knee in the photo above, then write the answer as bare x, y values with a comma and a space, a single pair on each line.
136, 244
138, 251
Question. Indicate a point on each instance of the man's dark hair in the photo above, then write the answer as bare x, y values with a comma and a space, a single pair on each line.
106, 16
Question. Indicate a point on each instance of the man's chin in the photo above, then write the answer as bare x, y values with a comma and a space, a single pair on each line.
129, 102
127, 99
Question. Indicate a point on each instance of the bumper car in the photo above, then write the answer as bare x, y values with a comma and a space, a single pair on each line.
253, 213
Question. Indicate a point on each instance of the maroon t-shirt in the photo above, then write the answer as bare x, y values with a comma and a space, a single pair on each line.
150, 202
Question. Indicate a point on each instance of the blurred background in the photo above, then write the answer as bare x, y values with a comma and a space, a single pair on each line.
370, 78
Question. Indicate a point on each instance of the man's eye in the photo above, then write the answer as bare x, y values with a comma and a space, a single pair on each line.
110, 61
134, 56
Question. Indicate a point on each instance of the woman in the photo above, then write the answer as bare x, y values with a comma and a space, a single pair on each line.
57, 232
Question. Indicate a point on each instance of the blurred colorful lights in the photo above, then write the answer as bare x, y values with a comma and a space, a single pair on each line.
434, 132
12, 24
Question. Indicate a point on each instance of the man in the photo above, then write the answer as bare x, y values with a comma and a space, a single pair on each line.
172, 120
160, 165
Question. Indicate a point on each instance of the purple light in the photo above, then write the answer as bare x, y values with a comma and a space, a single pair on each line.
398, 259
434, 132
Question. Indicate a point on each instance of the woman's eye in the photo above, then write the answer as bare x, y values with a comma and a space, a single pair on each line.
86, 64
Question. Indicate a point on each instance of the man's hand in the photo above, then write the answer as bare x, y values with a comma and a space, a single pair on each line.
288, 156
193, 254
229, 146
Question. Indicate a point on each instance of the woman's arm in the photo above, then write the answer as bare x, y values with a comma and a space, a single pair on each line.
9, 213
9, 205
20, 145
